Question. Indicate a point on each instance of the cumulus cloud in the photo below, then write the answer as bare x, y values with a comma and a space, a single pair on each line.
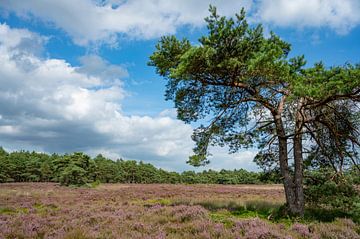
97, 22
58, 107
94, 65
339, 15
101, 21
53, 106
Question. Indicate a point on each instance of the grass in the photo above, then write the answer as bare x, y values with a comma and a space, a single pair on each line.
7, 210
243, 209
157, 201
76, 234
221, 210
10, 211
45, 209
224, 211
324, 215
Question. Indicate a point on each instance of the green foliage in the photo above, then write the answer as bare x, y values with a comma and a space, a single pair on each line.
321, 82
222, 177
270, 177
354, 175
76, 169
9, 211
331, 195
79, 169
73, 175
222, 78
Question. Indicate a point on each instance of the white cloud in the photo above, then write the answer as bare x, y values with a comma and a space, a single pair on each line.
8, 129
101, 21
339, 15
221, 159
94, 65
53, 106
97, 22
168, 112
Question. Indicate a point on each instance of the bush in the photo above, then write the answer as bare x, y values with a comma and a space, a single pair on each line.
333, 194
73, 175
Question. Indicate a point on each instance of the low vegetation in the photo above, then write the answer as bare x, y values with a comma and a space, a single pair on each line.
47, 210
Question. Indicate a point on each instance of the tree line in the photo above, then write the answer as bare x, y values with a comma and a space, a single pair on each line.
80, 169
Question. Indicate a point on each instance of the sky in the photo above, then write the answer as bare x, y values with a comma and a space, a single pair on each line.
74, 74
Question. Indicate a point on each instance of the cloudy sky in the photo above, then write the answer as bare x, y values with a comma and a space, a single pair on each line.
74, 74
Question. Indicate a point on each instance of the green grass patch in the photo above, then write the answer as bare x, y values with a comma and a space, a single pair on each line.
45, 209
94, 184
7, 210
10, 211
260, 209
248, 214
272, 212
324, 215
224, 217
226, 212
76, 234
153, 201
231, 211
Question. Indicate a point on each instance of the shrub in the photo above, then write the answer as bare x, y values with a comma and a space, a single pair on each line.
332, 194
73, 175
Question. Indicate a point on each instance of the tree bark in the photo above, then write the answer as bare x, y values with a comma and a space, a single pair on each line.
283, 160
298, 160
293, 185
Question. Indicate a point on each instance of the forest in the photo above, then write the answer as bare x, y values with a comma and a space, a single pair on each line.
79, 169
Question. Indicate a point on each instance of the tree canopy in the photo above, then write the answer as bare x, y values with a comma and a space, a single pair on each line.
80, 169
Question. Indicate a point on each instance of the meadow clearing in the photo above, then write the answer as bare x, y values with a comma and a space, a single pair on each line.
48, 210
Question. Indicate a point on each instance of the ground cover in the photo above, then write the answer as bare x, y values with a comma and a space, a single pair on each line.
47, 210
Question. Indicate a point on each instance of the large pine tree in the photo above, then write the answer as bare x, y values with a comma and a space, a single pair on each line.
255, 95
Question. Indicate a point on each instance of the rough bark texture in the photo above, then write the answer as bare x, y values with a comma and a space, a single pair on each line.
298, 160
293, 185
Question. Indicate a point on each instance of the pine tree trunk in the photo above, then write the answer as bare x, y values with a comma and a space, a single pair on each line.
298, 160
298, 177
292, 185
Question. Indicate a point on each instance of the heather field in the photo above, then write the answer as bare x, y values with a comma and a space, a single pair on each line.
47, 210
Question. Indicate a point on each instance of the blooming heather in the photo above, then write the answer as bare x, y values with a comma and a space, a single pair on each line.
46, 210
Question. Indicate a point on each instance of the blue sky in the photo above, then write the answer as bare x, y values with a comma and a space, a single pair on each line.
74, 74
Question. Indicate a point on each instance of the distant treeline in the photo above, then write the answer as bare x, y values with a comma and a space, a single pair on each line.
79, 169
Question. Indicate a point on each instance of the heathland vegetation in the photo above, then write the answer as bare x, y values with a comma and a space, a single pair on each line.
159, 211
